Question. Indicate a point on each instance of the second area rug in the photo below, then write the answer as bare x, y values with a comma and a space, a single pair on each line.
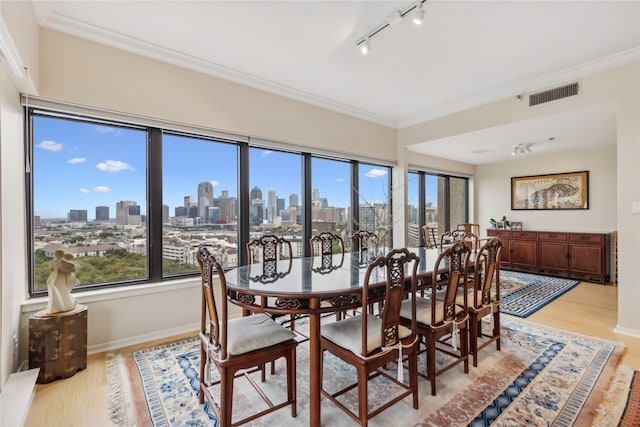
522, 294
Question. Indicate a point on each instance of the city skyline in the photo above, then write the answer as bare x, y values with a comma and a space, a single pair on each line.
95, 165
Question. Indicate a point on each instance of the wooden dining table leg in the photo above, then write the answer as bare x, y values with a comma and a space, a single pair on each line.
314, 364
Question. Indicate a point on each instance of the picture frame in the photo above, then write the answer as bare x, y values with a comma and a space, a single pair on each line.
516, 225
558, 191
500, 225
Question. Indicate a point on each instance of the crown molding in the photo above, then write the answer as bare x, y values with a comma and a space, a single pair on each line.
76, 28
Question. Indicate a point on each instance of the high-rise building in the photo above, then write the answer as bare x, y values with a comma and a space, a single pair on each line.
316, 194
102, 213
188, 202
128, 213
214, 215
228, 207
367, 218
77, 215
256, 193
180, 211
165, 213
205, 199
256, 214
272, 205
293, 200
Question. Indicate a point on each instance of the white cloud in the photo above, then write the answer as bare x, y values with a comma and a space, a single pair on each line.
214, 183
50, 145
266, 153
76, 160
107, 129
84, 190
102, 189
114, 166
339, 179
375, 173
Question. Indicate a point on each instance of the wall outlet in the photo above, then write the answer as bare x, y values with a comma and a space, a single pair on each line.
16, 351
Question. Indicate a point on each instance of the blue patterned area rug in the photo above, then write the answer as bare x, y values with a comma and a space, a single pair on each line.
542, 377
522, 294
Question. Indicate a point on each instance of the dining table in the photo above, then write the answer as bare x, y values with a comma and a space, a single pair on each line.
315, 286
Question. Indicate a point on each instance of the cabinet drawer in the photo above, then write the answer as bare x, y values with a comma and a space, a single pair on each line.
499, 233
587, 238
556, 237
525, 235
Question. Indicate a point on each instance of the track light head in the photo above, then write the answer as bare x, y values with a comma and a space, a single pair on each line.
419, 15
365, 46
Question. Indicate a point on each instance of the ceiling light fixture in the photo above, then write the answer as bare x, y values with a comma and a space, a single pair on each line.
419, 15
392, 19
521, 149
365, 47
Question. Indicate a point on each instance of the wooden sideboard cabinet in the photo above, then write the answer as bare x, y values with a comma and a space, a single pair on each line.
583, 256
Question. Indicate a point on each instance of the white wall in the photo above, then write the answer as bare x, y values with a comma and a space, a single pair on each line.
12, 224
493, 197
618, 86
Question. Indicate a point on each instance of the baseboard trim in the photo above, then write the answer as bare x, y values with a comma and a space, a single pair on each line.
635, 333
139, 339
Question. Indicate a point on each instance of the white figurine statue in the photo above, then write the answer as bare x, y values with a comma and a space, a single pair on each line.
60, 282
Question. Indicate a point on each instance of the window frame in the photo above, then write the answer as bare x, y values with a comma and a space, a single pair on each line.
154, 175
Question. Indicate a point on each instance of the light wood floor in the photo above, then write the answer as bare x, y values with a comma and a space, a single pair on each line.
81, 400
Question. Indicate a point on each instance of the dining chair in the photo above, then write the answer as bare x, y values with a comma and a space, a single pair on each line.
272, 251
269, 250
469, 228
455, 236
237, 347
485, 299
368, 341
441, 321
365, 242
430, 236
325, 245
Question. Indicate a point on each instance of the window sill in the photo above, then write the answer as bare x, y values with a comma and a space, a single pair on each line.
98, 295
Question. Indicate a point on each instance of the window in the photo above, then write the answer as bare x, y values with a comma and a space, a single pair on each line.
374, 201
275, 182
331, 198
89, 199
199, 202
444, 202
133, 203
413, 204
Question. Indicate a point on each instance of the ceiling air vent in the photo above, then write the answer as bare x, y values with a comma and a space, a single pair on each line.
554, 94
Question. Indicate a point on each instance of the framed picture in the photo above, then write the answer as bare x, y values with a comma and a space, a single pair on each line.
516, 225
500, 225
555, 191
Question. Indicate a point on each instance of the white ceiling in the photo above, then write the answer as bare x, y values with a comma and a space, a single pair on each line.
466, 53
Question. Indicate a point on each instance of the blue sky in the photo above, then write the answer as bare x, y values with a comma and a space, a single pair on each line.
81, 166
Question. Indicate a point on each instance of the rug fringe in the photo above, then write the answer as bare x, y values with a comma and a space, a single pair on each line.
119, 406
610, 410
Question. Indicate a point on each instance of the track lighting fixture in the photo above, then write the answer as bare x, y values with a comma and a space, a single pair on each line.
397, 16
521, 149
